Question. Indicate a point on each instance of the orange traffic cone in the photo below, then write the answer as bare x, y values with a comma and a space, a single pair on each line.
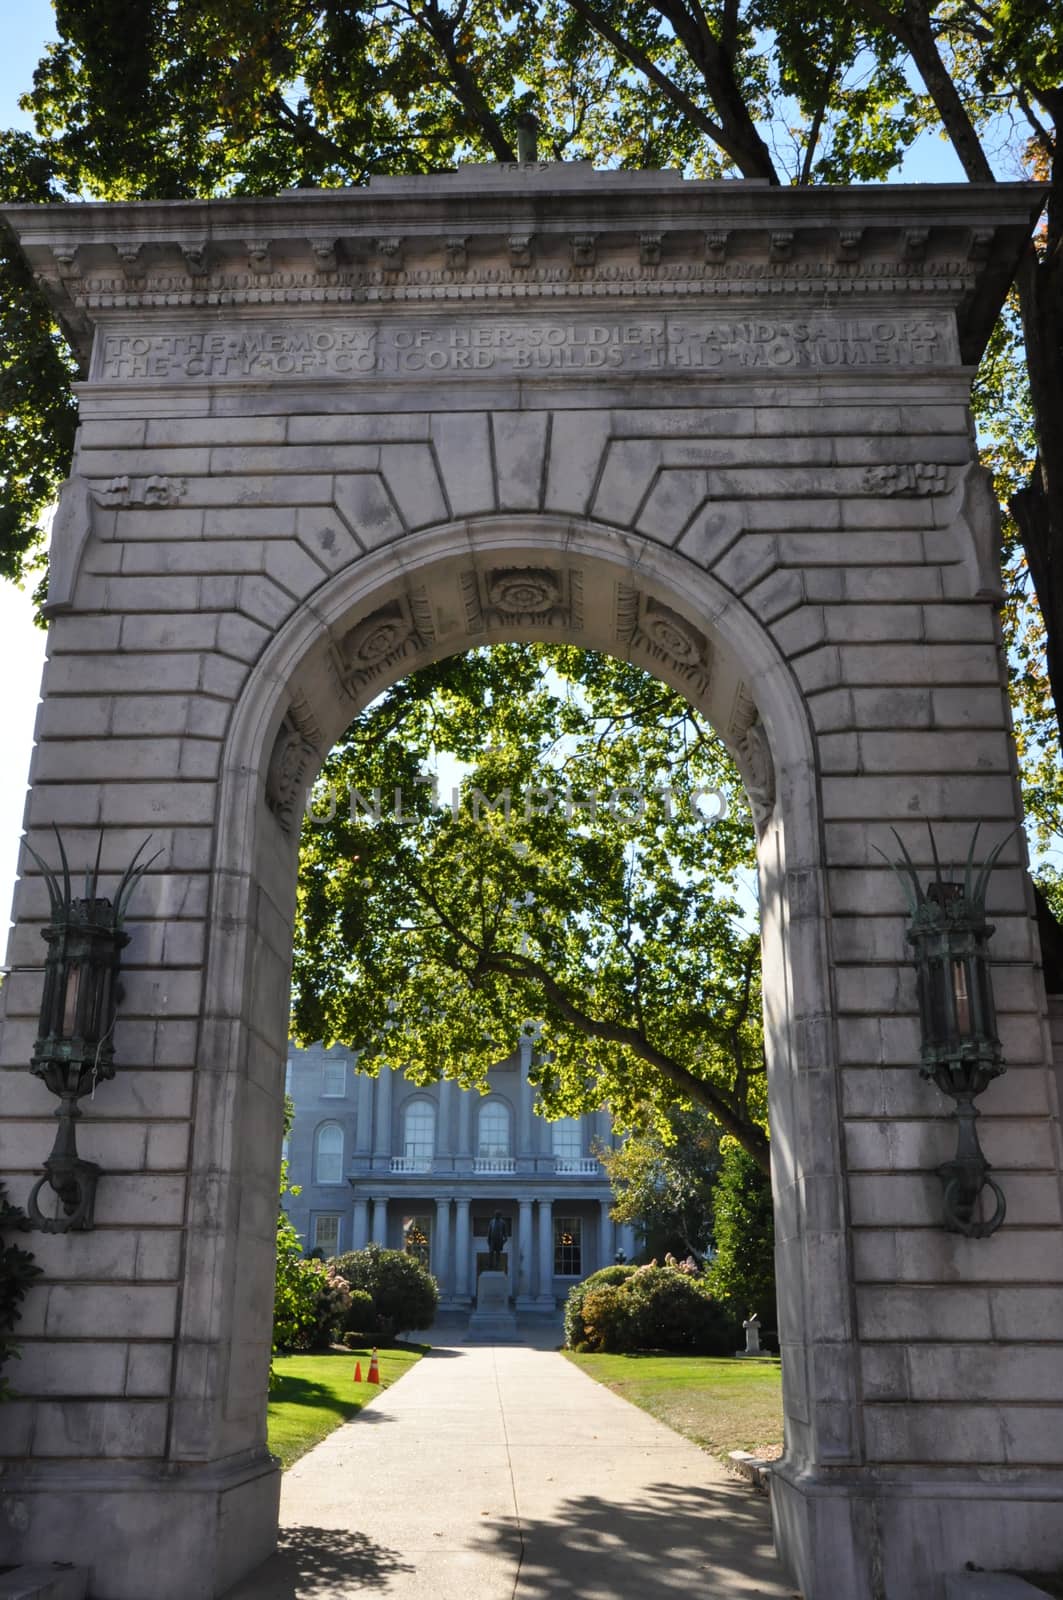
374, 1370
357, 1372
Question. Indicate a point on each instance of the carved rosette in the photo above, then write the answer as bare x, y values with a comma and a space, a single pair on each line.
743, 714
382, 640
523, 597
660, 635
293, 760
758, 773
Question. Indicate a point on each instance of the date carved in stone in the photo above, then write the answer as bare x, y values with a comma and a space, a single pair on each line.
907, 478
666, 638
156, 490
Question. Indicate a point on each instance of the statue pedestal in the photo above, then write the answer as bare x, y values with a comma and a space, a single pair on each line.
492, 1322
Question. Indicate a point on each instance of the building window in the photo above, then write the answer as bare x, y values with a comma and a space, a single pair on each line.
419, 1133
493, 1139
568, 1256
334, 1080
328, 1154
416, 1234
326, 1235
568, 1139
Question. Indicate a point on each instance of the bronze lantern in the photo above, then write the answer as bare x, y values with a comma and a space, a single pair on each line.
74, 1049
961, 1052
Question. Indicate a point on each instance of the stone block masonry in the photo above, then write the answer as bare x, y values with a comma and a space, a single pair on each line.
751, 476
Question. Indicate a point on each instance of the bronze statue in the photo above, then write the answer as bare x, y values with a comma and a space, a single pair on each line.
497, 1234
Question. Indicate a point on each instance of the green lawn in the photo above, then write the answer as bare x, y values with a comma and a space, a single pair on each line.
720, 1403
316, 1393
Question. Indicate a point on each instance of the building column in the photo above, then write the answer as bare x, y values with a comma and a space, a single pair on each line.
463, 1147
461, 1250
628, 1242
524, 1098
360, 1225
445, 1116
606, 1247
382, 1113
525, 1243
441, 1250
380, 1219
363, 1123
546, 1254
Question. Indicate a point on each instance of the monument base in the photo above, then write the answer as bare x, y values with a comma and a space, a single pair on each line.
492, 1322
197, 1530
890, 1534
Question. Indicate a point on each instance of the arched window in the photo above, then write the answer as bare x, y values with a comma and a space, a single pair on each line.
493, 1141
419, 1133
568, 1139
328, 1153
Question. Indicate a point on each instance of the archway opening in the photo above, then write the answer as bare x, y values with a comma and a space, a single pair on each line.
528, 869
591, 588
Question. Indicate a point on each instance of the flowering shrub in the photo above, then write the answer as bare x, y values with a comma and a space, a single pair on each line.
651, 1308
404, 1293
575, 1328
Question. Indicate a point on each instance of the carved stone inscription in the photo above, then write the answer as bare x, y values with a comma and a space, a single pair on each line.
505, 345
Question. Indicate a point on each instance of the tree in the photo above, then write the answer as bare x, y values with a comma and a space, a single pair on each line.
171, 98
17, 1272
663, 1182
743, 1269
579, 879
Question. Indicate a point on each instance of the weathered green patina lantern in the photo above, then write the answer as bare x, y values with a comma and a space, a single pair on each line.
961, 1052
74, 1049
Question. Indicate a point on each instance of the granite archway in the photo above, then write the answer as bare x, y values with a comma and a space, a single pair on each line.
330, 437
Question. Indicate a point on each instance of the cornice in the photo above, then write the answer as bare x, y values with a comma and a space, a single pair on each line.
508, 235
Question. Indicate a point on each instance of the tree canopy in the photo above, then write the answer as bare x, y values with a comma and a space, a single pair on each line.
175, 98
582, 881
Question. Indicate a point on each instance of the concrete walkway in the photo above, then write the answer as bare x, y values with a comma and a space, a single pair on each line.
502, 1472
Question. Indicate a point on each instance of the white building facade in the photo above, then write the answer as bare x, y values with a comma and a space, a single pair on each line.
424, 1168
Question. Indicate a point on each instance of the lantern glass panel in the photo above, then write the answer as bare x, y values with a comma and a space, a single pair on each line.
70, 1005
940, 1010
961, 997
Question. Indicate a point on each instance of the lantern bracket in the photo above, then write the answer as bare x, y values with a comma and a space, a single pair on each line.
74, 1050
961, 1052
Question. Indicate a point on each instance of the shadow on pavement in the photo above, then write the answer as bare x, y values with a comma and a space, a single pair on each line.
315, 1563
673, 1541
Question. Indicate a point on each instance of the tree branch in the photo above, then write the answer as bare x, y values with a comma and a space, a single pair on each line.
749, 1134
751, 162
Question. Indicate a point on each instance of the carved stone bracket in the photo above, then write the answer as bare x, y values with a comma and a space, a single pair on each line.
523, 597
456, 248
71, 530
379, 641
758, 773
907, 478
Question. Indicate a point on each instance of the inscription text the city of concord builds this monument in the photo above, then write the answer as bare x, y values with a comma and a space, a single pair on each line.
719, 429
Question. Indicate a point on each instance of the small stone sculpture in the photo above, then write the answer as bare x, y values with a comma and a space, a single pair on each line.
752, 1327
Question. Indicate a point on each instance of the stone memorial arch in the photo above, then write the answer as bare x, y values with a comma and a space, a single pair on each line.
718, 428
